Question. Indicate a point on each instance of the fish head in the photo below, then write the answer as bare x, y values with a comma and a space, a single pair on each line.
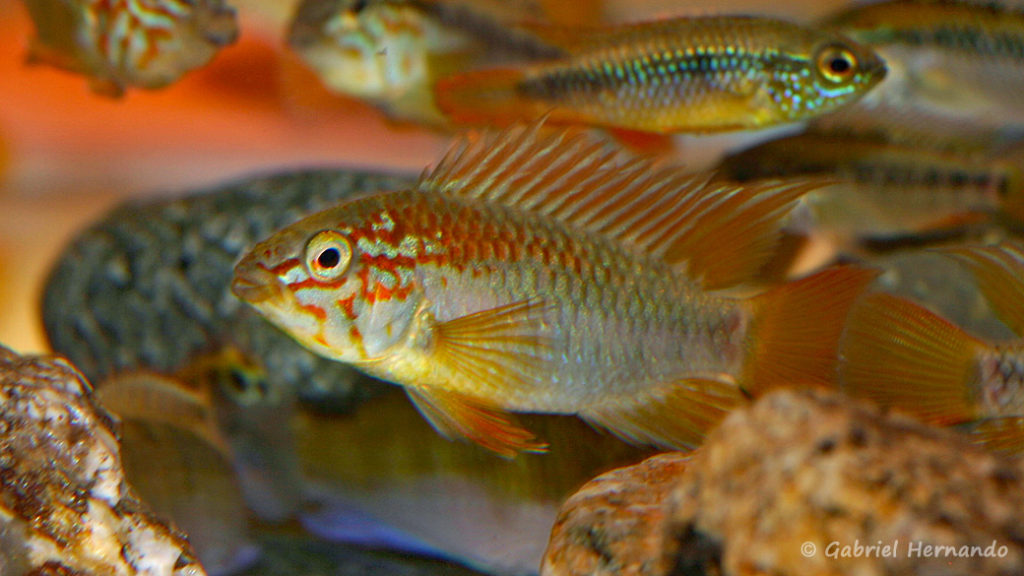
826, 72
339, 282
376, 50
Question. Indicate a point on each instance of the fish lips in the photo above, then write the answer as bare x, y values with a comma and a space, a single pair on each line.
254, 284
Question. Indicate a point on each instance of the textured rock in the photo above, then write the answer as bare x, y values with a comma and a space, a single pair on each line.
148, 286
803, 483
65, 507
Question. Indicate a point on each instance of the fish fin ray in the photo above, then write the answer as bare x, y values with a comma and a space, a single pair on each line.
795, 329
676, 415
901, 355
999, 272
456, 416
723, 233
1005, 434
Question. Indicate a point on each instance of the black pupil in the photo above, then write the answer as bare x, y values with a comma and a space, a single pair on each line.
358, 6
329, 258
839, 65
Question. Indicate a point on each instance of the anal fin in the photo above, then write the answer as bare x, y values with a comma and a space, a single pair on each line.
1005, 435
457, 416
676, 415
999, 271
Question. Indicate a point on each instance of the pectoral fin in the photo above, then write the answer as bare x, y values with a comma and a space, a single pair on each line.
677, 415
457, 416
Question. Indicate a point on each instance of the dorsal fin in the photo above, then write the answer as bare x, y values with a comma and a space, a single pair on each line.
723, 232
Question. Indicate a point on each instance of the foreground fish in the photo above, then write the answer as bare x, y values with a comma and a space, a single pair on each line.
146, 44
904, 356
534, 273
888, 189
688, 74
960, 57
390, 52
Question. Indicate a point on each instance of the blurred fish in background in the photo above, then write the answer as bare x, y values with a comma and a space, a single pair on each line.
132, 43
886, 190
958, 58
391, 52
701, 74
906, 357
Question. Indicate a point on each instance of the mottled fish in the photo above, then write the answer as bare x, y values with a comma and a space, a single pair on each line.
130, 43
390, 52
681, 75
904, 356
553, 273
886, 190
964, 58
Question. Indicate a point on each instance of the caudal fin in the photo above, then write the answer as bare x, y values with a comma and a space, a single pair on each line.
794, 333
900, 355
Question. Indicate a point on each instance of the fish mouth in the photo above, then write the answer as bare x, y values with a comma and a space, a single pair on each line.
254, 284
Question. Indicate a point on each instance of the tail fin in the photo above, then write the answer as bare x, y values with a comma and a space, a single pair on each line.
485, 97
794, 333
900, 355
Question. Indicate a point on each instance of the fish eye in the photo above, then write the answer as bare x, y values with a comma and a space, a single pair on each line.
328, 254
837, 64
358, 6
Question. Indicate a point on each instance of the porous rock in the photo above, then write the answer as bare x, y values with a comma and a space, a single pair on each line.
65, 507
802, 483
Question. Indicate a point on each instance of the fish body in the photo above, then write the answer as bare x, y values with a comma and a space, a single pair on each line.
962, 57
681, 75
140, 43
904, 356
470, 292
390, 52
886, 189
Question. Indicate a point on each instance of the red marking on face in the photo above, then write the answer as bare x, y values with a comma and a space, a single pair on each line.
315, 310
354, 333
282, 268
348, 306
319, 338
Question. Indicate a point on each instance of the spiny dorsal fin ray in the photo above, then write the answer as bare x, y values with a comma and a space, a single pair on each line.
999, 271
723, 232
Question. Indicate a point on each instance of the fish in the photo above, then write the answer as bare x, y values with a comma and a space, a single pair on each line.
887, 190
701, 74
958, 58
390, 52
129, 44
178, 459
906, 357
534, 272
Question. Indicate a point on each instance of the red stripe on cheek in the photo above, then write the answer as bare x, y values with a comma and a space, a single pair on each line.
283, 267
315, 310
348, 306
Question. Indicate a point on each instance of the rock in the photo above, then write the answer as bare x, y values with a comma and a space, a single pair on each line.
803, 483
148, 287
65, 507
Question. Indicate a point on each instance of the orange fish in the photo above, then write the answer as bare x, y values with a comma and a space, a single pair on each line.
902, 355
555, 274
122, 43
682, 75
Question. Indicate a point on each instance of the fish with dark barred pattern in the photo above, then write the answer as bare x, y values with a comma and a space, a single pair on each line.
705, 74
553, 273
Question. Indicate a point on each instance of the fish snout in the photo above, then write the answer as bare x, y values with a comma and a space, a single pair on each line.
254, 284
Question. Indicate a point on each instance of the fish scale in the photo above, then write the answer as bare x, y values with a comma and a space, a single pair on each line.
548, 272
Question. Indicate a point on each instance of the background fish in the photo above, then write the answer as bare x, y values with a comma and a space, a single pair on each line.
887, 190
960, 58
902, 355
390, 52
122, 44
534, 273
687, 74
